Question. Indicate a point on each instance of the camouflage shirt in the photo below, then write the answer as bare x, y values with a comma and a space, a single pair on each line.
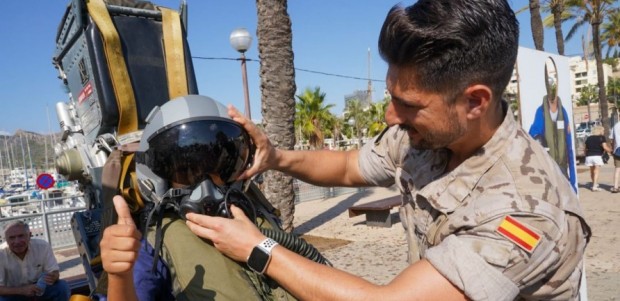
503, 225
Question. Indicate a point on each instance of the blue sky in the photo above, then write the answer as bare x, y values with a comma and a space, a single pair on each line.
331, 36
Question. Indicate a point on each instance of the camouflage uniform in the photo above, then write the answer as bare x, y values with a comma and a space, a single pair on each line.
455, 220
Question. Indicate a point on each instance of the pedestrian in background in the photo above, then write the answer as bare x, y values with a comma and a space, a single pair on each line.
596, 146
615, 141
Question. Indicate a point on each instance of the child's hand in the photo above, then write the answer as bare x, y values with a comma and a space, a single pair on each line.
119, 244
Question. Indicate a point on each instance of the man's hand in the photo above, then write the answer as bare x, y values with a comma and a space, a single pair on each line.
266, 155
30, 290
120, 242
234, 237
51, 277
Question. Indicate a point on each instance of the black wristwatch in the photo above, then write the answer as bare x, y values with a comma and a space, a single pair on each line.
261, 255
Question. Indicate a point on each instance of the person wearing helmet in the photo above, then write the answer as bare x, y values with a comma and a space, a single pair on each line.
189, 147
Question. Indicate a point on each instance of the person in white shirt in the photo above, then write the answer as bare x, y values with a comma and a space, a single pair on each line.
23, 261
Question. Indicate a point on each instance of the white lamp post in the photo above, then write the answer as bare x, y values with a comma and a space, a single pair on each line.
352, 123
240, 39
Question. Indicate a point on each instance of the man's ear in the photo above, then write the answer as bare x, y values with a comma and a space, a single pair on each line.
478, 98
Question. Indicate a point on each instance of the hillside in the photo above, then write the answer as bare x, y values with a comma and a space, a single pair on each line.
11, 149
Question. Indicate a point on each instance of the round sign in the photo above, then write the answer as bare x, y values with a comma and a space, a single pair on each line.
45, 181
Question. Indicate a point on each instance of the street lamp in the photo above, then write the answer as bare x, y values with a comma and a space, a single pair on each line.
240, 39
352, 122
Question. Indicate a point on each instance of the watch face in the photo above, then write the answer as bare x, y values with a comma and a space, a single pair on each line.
258, 260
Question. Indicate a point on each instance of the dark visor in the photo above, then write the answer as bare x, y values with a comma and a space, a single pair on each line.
193, 151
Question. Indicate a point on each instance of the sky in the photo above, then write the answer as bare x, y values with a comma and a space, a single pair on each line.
329, 36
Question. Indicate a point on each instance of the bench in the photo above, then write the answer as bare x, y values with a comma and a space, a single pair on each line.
377, 212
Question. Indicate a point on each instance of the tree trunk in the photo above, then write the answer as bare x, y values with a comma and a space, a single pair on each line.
557, 9
277, 86
537, 25
602, 96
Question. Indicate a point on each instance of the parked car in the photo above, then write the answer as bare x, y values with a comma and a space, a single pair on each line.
580, 149
582, 132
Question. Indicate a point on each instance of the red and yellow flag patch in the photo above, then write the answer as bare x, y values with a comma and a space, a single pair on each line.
519, 234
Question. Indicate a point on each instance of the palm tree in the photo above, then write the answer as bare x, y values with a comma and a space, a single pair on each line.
312, 115
610, 35
277, 73
587, 95
557, 9
377, 117
613, 89
555, 19
594, 12
356, 116
537, 26
337, 126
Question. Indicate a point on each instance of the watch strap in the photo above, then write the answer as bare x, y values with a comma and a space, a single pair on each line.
268, 244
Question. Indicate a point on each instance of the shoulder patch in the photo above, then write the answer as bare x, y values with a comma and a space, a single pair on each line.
518, 233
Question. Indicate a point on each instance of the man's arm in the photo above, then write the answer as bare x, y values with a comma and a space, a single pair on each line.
321, 167
24, 290
50, 266
538, 126
308, 280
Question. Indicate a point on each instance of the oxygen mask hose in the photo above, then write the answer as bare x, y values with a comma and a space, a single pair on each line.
296, 244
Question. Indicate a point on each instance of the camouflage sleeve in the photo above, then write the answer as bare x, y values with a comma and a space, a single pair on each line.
500, 257
378, 158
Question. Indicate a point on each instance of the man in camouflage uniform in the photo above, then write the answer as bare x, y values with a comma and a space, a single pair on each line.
489, 215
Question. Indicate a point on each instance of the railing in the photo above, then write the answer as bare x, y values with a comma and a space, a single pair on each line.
48, 219
308, 192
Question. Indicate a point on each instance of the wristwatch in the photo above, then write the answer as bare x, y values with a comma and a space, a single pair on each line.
261, 255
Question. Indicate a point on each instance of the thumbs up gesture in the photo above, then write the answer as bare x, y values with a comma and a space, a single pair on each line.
120, 242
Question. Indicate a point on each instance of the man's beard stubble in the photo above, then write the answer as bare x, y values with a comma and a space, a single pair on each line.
440, 138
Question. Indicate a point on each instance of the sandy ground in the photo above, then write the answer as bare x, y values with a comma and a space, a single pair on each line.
378, 254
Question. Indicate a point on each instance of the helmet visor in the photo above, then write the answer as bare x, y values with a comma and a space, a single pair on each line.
190, 152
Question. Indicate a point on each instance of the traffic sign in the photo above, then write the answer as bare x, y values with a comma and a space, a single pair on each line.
45, 181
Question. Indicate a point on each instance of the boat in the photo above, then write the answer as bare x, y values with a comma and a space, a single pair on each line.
14, 206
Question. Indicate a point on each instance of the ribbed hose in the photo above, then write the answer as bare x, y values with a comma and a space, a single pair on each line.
296, 244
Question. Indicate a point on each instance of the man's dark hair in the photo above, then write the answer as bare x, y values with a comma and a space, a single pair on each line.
453, 43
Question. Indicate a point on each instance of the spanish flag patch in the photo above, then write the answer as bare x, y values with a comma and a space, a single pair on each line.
519, 234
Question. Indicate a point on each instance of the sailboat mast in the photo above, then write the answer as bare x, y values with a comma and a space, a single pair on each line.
30, 156
2, 168
11, 157
21, 142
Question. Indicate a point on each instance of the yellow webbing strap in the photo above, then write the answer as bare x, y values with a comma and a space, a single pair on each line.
125, 99
131, 192
174, 52
128, 116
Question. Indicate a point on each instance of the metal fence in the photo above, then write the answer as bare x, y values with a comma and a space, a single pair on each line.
48, 219
308, 192
52, 222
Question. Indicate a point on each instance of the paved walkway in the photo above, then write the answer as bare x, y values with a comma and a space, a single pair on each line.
378, 254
